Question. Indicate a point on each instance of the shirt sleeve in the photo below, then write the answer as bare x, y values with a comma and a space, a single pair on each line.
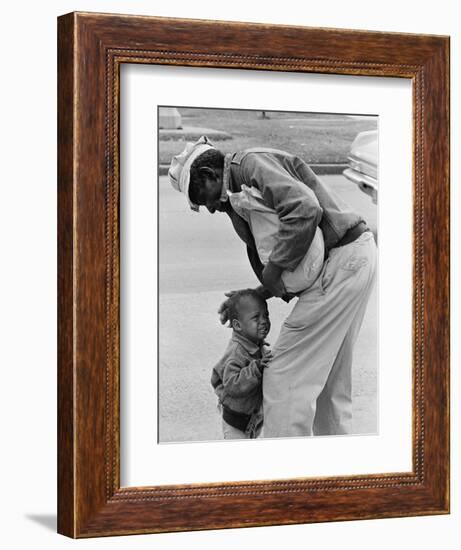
217, 384
295, 203
239, 380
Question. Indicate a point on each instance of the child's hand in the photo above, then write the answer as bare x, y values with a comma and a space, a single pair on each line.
264, 362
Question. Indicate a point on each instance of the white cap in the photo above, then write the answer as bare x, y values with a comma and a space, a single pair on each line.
179, 172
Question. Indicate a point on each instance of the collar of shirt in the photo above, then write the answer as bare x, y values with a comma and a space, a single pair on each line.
251, 347
226, 178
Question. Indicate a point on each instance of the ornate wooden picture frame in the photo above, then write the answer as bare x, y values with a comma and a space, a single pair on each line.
92, 47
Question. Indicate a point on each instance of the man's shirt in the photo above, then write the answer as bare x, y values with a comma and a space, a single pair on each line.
300, 199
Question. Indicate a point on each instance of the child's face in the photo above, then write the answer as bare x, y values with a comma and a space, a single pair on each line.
253, 320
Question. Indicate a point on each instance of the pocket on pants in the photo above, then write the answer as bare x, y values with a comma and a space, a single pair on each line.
360, 253
346, 262
354, 263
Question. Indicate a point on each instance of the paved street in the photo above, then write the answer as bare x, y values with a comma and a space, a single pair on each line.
200, 259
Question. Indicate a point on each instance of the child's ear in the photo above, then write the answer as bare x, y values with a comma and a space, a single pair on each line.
236, 325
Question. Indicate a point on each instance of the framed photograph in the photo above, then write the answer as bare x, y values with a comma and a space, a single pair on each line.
253, 277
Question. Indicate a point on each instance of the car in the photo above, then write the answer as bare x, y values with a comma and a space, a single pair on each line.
363, 163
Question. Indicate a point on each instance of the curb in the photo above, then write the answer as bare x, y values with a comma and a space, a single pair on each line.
319, 169
190, 133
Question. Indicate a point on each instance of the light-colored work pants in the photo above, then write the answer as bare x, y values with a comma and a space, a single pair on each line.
307, 387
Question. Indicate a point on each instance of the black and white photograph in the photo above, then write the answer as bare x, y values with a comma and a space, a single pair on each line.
267, 274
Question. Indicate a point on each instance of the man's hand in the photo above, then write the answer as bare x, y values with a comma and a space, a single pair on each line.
223, 310
271, 277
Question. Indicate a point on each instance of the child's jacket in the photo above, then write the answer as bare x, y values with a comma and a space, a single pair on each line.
237, 378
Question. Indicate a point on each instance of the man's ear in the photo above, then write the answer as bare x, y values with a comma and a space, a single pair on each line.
236, 325
207, 172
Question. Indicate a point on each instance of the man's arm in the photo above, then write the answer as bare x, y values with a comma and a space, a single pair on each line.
268, 276
255, 263
296, 205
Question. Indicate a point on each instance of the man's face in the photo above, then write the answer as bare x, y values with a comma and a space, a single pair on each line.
209, 194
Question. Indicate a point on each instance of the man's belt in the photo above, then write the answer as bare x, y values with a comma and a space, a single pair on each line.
352, 234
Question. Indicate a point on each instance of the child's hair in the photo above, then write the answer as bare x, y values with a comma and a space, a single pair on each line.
212, 158
235, 299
